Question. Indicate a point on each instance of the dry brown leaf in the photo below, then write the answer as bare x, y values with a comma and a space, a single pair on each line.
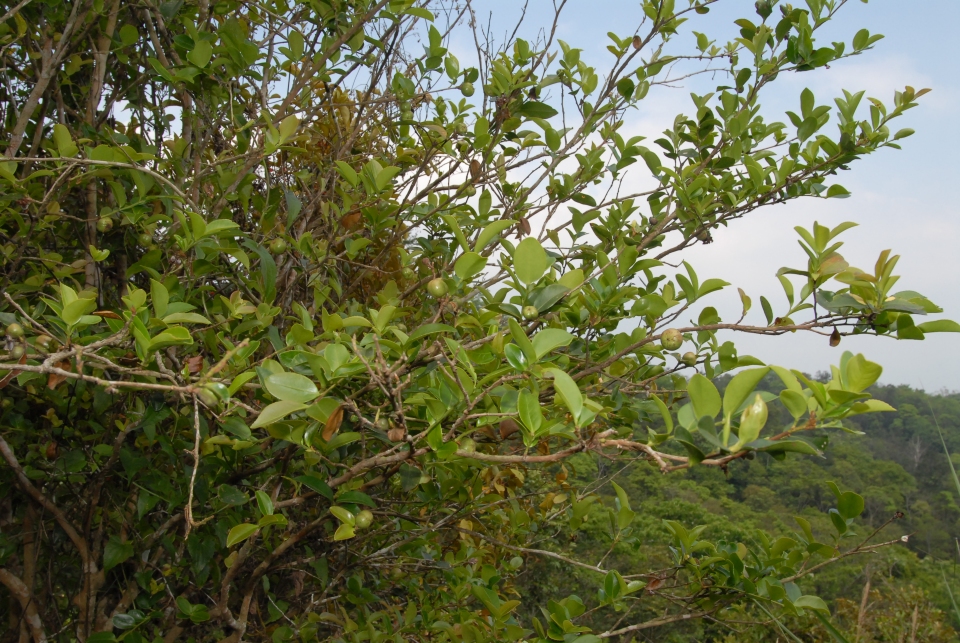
396, 434
475, 169
194, 363
835, 337
523, 227
107, 313
333, 424
56, 379
637, 43
507, 428
350, 220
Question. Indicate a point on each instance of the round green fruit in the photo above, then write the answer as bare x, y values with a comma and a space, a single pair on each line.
396, 573
467, 89
382, 424
689, 358
208, 397
364, 519
530, 313
409, 273
18, 351
671, 339
406, 115
468, 445
145, 240
6, 404
278, 246
45, 343
15, 331
105, 224
470, 191
437, 287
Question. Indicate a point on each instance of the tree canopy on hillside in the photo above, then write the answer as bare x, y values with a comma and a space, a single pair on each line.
306, 317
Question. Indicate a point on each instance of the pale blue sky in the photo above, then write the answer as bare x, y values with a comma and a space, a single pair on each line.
903, 200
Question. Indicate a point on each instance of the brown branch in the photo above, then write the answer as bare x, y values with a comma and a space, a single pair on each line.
28, 604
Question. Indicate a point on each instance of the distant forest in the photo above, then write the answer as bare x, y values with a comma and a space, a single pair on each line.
898, 464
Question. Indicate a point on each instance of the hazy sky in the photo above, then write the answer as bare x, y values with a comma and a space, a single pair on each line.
901, 199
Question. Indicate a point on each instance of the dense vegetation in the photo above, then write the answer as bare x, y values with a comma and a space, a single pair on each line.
314, 331
899, 465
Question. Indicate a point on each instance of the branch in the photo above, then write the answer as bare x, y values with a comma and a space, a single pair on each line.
28, 604
47, 504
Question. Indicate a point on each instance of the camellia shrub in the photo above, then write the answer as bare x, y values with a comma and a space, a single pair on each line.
306, 319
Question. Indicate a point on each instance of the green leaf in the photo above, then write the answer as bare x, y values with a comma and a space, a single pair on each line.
740, 388
186, 318
264, 503
317, 485
529, 260
568, 391
276, 412
794, 402
940, 326
159, 297
530, 413
520, 337
356, 498
115, 552
704, 396
550, 339
861, 374
491, 232
536, 109
173, 336
201, 53
850, 505
468, 265
240, 533
752, 421
430, 329
812, 602
64, 142
76, 309
291, 387
343, 515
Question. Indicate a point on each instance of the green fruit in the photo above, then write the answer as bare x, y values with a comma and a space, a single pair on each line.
18, 351
671, 339
437, 287
45, 343
689, 358
208, 398
396, 573
6, 404
470, 191
409, 273
460, 128
364, 519
145, 240
15, 331
382, 424
278, 246
406, 115
530, 313
105, 224
467, 89
468, 445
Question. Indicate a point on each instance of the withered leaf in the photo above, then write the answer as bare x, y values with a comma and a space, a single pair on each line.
333, 423
508, 427
57, 379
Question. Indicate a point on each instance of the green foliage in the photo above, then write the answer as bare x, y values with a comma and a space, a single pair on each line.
275, 369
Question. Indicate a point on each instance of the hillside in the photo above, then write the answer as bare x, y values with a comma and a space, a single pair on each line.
897, 465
